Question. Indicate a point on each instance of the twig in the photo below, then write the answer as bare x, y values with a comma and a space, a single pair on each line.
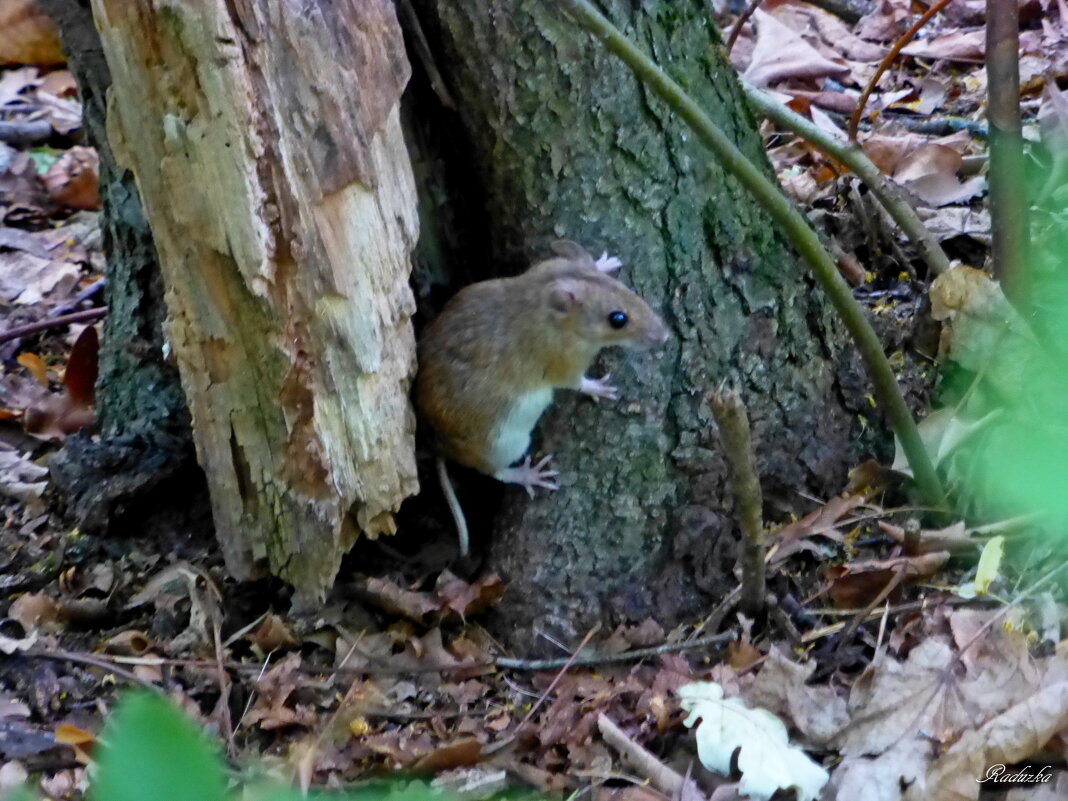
80, 298
22, 133
733, 423
558, 676
862, 615
715, 617
1008, 200
888, 59
659, 775
794, 227
84, 316
91, 661
742, 19
614, 659
853, 157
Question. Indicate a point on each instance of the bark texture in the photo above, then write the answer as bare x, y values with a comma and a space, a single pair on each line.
568, 143
266, 143
141, 473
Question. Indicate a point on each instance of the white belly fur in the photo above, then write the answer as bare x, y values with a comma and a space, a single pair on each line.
512, 438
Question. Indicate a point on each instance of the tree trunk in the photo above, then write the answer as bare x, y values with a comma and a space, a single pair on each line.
568, 143
141, 473
266, 143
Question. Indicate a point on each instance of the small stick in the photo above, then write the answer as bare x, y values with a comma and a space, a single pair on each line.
627, 656
91, 661
744, 18
558, 676
888, 59
84, 316
659, 775
729, 411
853, 157
1008, 199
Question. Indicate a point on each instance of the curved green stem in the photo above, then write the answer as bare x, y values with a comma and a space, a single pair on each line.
793, 226
853, 157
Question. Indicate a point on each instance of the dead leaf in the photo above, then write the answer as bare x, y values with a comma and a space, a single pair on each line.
741, 654
930, 172
398, 601
782, 687
128, 643
36, 366
460, 753
782, 53
959, 45
35, 610
273, 634
1017, 734
74, 180
791, 538
79, 739
855, 585
273, 709
463, 599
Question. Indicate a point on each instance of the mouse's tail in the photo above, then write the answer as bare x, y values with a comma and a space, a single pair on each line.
454, 505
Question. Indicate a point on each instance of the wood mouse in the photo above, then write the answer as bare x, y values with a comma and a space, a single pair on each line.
488, 364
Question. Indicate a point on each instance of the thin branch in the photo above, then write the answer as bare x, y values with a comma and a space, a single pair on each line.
628, 656
1008, 200
660, 776
84, 316
733, 423
556, 679
91, 661
853, 157
794, 227
888, 59
740, 23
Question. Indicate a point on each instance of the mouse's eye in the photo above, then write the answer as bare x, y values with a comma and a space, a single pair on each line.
617, 319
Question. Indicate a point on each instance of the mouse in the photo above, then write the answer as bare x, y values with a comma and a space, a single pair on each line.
491, 361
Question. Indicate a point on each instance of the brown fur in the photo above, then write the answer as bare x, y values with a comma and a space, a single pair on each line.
499, 340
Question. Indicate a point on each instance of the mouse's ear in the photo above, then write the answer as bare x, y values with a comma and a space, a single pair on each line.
571, 250
564, 295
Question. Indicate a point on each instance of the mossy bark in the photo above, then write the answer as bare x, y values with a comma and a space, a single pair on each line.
142, 470
568, 143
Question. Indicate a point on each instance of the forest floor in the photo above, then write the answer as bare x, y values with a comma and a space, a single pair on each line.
903, 663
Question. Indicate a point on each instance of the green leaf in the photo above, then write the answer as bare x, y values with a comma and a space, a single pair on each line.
149, 751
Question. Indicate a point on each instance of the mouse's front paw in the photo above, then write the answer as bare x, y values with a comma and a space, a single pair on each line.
607, 264
529, 476
598, 388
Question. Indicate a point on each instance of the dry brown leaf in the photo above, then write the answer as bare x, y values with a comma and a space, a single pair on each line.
77, 738
273, 709
463, 599
74, 179
37, 610
398, 601
36, 366
1017, 734
855, 585
272, 634
960, 45
782, 53
791, 538
741, 654
782, 687
930, 173
460, 753
128, 643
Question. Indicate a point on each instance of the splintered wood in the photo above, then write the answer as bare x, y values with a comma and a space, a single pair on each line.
266, 142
